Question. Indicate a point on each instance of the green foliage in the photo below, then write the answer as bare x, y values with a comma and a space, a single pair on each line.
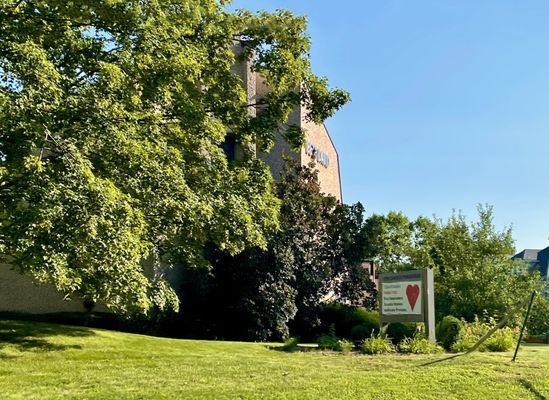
331, 342
290, 344
473, 271
248, 296
365, 317
418, 344
313, 254
305, 215
448, 331
344, 346
361, 332
538, 322
503, 339
348, 250
325, 242
389, 241
471, 262
349, 322
334, 315
328, 341
111, 117
268, 291
377, 344
397, 331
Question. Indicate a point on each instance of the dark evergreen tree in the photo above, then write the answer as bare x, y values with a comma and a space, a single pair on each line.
261, 294
350, 278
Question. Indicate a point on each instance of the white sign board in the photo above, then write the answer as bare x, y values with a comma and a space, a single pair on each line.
402, 297
408, 296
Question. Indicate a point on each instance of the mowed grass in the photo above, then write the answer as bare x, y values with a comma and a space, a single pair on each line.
45, 361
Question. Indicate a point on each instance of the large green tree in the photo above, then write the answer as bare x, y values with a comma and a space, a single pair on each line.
267, 294
473, 270
111, 117
471, 261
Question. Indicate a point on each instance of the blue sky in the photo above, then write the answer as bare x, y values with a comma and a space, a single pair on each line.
450, 105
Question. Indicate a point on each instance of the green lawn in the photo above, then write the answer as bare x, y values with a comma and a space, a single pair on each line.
46, 361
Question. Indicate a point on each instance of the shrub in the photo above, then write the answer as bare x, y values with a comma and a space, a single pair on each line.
290, 344
332, 342
366, 318
398, 331
418, 344
344, 346
328, 341
344, 318
361, 332
334, 315
538, 322
377, 344
448, 331
503, 339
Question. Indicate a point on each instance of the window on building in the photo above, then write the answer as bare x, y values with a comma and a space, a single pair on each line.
229, 147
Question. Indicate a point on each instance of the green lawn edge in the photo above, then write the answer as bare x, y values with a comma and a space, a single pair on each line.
50, 361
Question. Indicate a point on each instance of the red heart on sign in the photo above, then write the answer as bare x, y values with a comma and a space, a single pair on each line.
412, 292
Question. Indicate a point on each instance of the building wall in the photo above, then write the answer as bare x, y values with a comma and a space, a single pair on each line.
18, 293
317, 139
280, 150
320, 149
543, 259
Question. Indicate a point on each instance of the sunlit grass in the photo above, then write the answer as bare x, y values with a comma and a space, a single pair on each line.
46, 361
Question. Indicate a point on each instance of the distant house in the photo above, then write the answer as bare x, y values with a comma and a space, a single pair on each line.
538, 260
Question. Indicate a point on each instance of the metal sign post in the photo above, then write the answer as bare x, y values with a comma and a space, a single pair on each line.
524, 324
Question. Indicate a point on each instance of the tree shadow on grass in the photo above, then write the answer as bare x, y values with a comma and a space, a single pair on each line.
530, 387
296, 349
31, 336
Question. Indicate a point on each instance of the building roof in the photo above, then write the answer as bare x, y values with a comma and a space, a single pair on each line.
527, 255
537, 259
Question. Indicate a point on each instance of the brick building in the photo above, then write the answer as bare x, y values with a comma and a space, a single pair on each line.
18, 292
318, 147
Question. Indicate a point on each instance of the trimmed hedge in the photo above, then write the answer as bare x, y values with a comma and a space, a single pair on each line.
397, 331
448, 331
352, 323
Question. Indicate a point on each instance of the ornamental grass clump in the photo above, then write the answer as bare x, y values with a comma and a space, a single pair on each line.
377, 344
418, 344
290, 344
344, 346
327, 342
